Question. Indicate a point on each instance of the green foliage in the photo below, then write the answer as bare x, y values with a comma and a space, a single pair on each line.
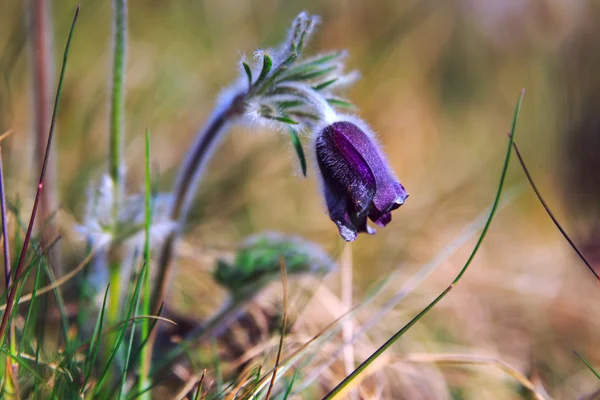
258, 261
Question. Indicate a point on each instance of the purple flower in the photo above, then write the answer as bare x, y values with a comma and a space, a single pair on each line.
357, 181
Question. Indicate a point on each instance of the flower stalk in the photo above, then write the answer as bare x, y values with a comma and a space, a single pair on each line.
117, 104
115, 168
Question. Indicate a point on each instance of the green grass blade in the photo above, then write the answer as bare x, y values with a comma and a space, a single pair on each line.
551, 214
64, 317
288, 391
95, 344
128, 353
587, 364
32, 306
123, 330
217, 366
339, 388
200, 385
146, 352
21, 262
38, 378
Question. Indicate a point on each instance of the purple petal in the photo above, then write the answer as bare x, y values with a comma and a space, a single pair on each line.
379, 218
357, 180
341, 162
389, 194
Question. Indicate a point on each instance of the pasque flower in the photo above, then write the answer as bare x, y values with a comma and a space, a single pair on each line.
357, 181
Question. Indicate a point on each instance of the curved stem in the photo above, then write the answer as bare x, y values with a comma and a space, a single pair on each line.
186, 184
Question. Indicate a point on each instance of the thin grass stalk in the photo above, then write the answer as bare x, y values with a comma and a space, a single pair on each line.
468, 359
9, 386
5, 244
21, 262
146, 353
283, 326
551, 214
362, 367
409, 286
346, 297
115, 151
587, 364
43, 72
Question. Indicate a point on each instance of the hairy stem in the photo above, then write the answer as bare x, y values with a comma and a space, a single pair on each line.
117, 103
187, 182
115, 168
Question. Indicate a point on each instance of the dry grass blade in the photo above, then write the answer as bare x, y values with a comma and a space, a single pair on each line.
243, 380
60, 281
53, 366
283, 325
189, 386
4, 221
347, 325
467, 359
302, 348
6, 135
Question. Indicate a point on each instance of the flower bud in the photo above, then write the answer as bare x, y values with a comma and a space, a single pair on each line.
357, 180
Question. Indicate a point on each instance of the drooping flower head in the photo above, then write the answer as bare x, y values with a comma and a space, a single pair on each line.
283, 89
357, 181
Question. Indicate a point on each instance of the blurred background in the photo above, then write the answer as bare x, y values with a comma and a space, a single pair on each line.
440, 80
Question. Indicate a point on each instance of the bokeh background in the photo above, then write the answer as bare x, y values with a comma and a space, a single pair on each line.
439, 83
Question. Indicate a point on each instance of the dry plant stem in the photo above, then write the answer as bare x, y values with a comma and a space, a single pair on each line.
188, 388
5, 246
60, 281
347, 325
10, 377
467, 359
21, 263
551, 214
42, 101
283, 326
